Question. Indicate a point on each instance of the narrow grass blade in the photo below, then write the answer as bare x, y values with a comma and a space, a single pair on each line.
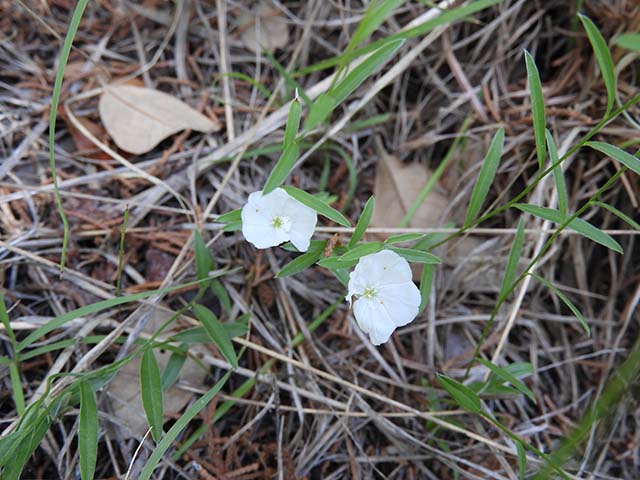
362, 72
565, 300
217, 333
179, 426
94, 308
630, 41
282, 168
486, 176
577, 224
426, 281
16, 387
622, 216
123, 235
558, 176
630, 161
505, 376
319, 110
88, 432
417, 256
377, 13
221, 293
515, 253
204, 260
230, 217
293, 123
363, 222
603, 56
173, 367
522, 461
318, 205
403, 238
461, 394
55, 100
151, 390
303, 261
361, 250
537, 108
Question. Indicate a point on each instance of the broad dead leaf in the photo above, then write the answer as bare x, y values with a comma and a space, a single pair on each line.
264, 28
139, 118
124, 390
396, 187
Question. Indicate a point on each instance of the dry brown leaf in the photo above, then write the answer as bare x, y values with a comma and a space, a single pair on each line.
396, 187
139, 118
124, 390
264, 29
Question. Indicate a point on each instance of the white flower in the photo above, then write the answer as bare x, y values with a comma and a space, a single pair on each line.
386, 297
271, 219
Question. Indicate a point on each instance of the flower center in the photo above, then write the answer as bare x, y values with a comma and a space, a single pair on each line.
279, 222
369, 293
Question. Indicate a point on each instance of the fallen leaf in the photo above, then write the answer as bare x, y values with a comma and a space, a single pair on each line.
264, 28
396, 187
124, 390
139, 118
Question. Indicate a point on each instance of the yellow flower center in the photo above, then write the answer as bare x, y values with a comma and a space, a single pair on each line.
369, 293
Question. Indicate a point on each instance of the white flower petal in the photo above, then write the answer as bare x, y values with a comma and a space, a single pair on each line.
303, 223
373, 320
384, 267
257, 219
402, 301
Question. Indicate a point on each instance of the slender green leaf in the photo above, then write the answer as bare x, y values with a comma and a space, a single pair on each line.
173, 367
403, 238
204, 260
282, 168
566, 301
219, 291
515, 253
577, 224
55, 100
362, 72
367, 122
217, 332
537, 108
232, 227
377, 13
630, 161
251, 81
123, 236
333, 263
417, 256
519, 369
630, 41
318, 205
16, 387
558, 176
88, 432
200, 335
622, 216
179, 426
95, 308
463, 395
522, 461
432, 239
505, 376
151, 391
603, 56
293, 123
303, 261
361, 250
230, 217
426, 280
319, 110
363, 222
486, 176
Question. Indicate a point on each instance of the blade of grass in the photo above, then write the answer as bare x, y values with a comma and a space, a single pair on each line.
151, 392
630, 41
486, 176
577, 224
179, 426
318, 205
565, 300
537, 108
363, 222
88, 432
618, 213
515, 253
632, 162
123, 233
55, 100
282, 168
217, 332
293, 123
558, 176
603, 56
